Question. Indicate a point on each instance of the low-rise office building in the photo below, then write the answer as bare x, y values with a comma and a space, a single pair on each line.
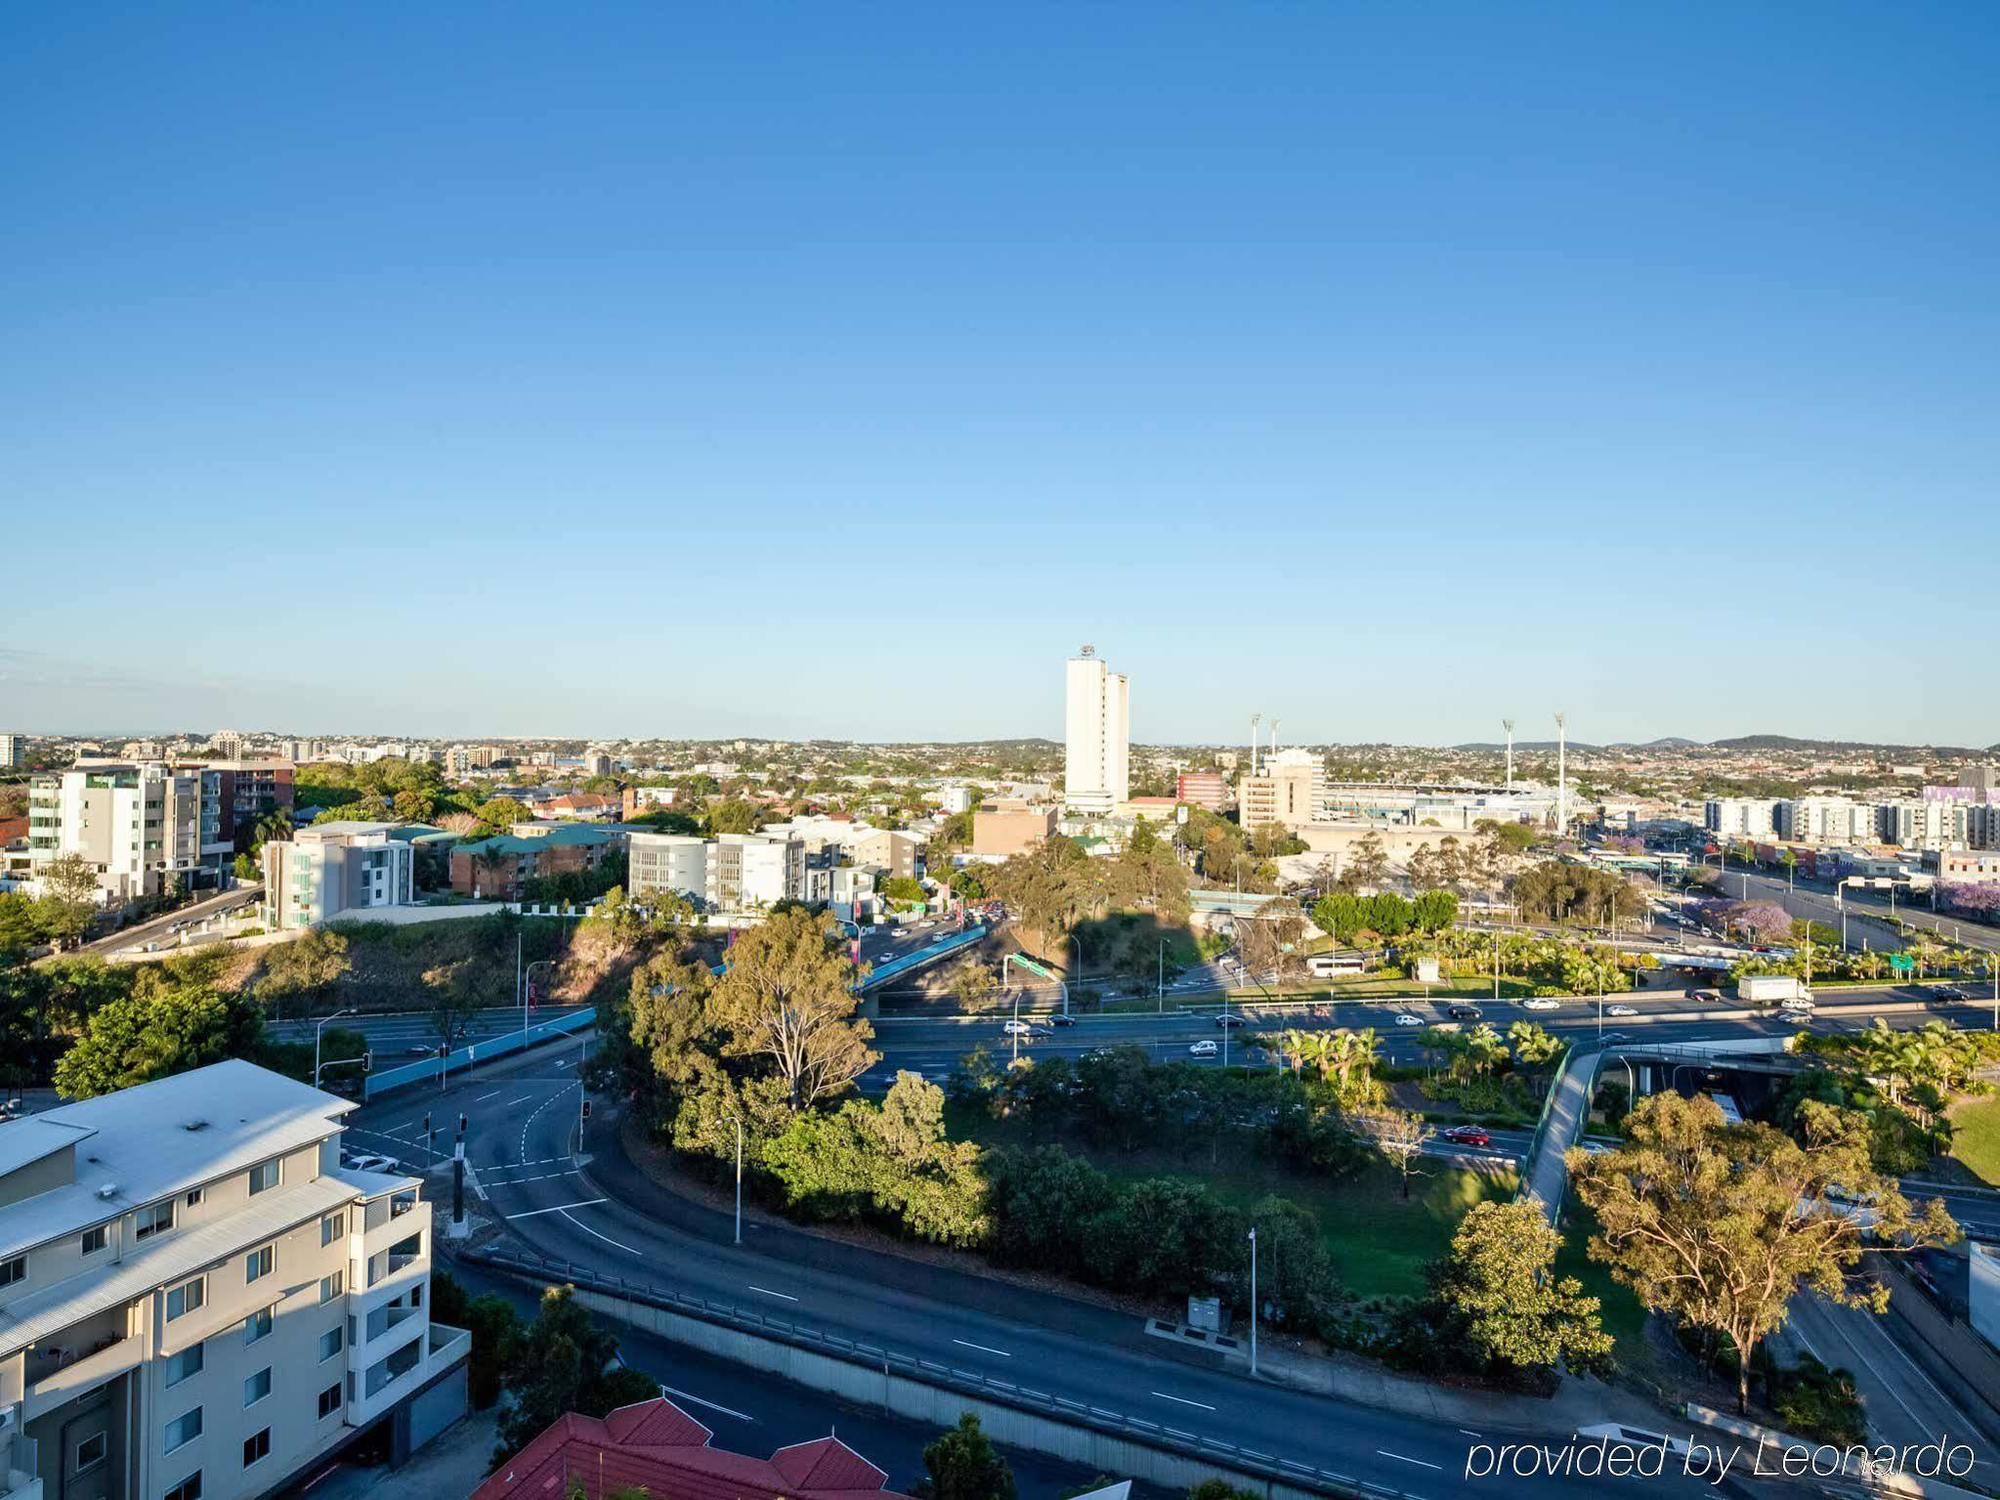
327, 870
198, 1302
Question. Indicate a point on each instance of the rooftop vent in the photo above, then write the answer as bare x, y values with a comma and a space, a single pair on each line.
107, 1190
193, 1125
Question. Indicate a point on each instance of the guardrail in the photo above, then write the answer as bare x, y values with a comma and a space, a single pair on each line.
878, 1359
909, 963
476, 1052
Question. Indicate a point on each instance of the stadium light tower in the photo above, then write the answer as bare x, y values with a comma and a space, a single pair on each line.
1562, 774
1508, 725
1255, 720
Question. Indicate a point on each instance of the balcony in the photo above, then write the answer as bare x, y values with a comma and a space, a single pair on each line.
399, 1256
79, 1359
385, 1382
19, 1458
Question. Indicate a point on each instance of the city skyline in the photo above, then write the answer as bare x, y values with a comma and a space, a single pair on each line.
1393, 368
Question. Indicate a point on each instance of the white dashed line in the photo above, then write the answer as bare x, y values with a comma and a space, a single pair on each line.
1400, 1458
559, 1208
484, 1097
1183, 1400
983, 1348
769, 1293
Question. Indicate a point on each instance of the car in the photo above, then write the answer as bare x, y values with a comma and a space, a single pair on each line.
1406, 1019
925, 926
1203, 1049
423, 1049
1540, 1002
1017, 1028
1463, 1012
1620, 1010
1948, 992
1468, 1135
370, 1163
1228, 1019
1706, 997
1062, 1020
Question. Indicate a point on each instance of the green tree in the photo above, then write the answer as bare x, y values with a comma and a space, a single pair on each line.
307, 967
68, 899
1400, 1135
163, 1030
495, 1328
1500, 1285
788, 997
1367, 861
1721, 1225
962, 1464
1435, 910
562, 1362
904, 888
451, 995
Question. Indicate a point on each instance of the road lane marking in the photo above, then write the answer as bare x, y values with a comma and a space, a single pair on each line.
484, 1097
667, 1390
1183, 1400
522, 1100
588, 1230
983, 1348
769, 1293
1468, 1432
1401, 1458
530, 1213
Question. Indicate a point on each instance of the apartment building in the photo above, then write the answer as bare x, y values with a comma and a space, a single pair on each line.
326, 870
1209, 789
1288, 789
1005, 826
1982, 825
730, 872
498, 868
139, 826
198, 1302
1097, 733
1740, 817
887, 849
1923, 823
10, 751
635, 801
239, 794
1968, 866
1824, 820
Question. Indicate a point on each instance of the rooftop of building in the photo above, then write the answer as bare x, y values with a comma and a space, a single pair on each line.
561, 834
659, 1449
147, 1142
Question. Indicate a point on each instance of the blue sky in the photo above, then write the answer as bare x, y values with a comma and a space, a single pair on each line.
837, 370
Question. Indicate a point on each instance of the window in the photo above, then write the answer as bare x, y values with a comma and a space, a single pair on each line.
180, 1366
185, 1298
332, 1227
256, 1264
155, 1219
265, 1175
329, 1401
90, 1452
330, 1343
331, 1286
193, 1200
13, 1269
257, 1387
96, 1239
257, 1325
184, 1429
188, 1489
256, 1447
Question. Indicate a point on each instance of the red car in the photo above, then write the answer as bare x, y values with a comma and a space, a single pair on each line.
1468, 1135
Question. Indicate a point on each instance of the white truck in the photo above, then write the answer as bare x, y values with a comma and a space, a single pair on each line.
1774, 989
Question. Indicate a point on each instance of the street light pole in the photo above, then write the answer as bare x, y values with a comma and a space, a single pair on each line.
737, 1121
1253, 1299
316, 1036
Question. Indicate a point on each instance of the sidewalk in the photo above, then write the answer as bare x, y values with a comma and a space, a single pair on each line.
450, 1465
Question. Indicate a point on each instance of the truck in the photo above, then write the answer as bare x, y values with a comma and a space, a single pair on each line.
1327, 965
1774, 989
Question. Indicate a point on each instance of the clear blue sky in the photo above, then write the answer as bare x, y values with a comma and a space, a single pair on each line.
697, 370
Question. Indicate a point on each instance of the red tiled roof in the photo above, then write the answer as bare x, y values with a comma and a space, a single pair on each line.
656, 1446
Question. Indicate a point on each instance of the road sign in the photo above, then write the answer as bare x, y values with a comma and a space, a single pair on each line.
1902, 963
1032, 967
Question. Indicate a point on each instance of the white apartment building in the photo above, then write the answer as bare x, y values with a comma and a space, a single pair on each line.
139, 826
1982, 825
1825, 820
327, 869
10, 751
198, 1302
1097, 735
730, 872
1740, 817
1923, 823
955, 799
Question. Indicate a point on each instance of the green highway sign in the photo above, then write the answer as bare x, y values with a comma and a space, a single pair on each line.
1032, 967
1902, 963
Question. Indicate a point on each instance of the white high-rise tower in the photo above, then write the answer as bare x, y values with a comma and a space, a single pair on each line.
1097, 734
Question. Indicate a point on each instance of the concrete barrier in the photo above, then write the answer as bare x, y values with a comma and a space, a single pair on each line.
922, 1390
376, 1084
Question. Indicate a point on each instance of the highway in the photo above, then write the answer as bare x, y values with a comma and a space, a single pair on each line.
1867, 911
523, 1123
398, 1036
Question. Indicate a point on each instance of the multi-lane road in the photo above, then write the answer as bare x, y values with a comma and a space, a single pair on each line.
599, 1211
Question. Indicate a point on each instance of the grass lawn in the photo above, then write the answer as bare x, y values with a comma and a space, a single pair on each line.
1624, 1318
1378, 1242
1976, 1143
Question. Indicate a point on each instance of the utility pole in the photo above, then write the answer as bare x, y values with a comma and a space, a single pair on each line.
316, 1038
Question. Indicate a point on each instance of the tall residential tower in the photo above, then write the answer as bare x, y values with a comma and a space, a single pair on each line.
1097, 727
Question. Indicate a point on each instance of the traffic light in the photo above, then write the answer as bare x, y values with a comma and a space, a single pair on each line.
461, 1124
586, 1109
368, 1060
427, 1122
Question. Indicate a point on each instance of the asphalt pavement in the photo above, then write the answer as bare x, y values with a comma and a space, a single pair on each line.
600, 1212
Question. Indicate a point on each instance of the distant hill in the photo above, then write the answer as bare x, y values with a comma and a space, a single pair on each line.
1836, 747
1494, 747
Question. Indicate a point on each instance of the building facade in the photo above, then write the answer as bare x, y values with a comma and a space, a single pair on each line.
730, 872
1923, 823
1288, 789
139, 826
1209, 789
328, 869
499, 868
1740, 817
1825, 820
198, 1302
1005, 827
1097, 733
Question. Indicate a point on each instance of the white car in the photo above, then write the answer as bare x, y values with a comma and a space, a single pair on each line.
370, 1163
1406, 1019
1017, 1028
1620, 1010
1540, 1002
1203, 1049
